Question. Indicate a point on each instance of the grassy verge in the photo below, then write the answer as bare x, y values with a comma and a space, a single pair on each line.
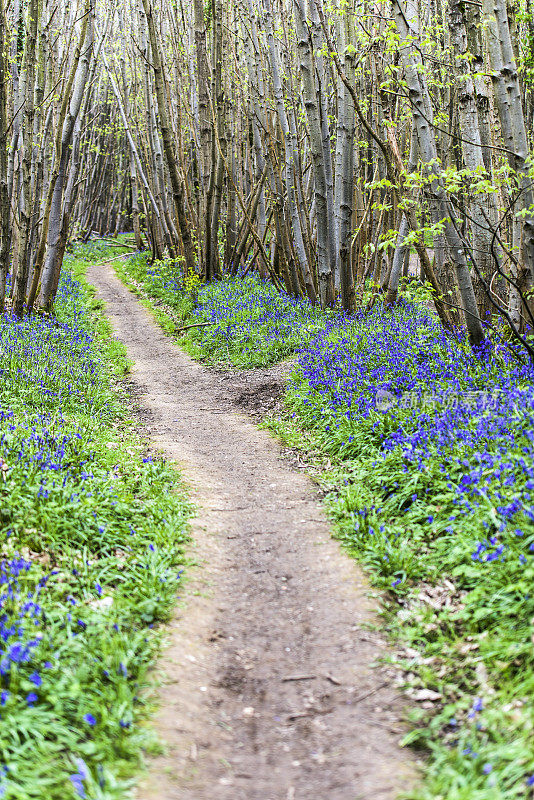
428, 453
92, 536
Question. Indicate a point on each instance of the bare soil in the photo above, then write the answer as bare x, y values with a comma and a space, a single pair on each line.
268, 686
258, 392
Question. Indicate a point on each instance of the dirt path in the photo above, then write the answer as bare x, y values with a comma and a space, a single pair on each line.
268, 689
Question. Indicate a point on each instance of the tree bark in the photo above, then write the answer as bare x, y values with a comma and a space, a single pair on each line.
5, 211
168, 146
423, 120
325, 265
25, 216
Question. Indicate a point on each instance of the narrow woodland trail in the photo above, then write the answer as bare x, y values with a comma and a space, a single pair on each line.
268, 693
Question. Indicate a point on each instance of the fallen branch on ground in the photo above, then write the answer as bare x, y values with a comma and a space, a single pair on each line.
195, 325
111, 260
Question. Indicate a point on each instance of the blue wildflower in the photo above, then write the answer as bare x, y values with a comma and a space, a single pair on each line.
36, 679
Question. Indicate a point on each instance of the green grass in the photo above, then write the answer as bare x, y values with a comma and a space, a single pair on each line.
100, 528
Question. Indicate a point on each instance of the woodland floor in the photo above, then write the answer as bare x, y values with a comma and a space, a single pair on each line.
269, 690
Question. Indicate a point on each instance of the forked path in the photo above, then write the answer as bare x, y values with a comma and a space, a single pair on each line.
269, 691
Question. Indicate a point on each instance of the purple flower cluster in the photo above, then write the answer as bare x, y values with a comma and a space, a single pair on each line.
51, 361
21, 617
39, 444
349, 364
253, 322
79, 778
485, 450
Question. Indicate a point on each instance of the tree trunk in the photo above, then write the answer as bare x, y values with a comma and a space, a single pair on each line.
422, 113
510, 108
5, 212
345, 178
290, 152
21, 277
483, 208
168, 146
325, 266
54, 242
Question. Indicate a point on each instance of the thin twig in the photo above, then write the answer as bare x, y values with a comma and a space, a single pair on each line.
111, 260
195, 325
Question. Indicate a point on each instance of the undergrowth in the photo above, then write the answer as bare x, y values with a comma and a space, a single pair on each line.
427, 452
91, 533
233, 322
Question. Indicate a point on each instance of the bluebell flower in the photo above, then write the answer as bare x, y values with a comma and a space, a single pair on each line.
36, 679
79, 777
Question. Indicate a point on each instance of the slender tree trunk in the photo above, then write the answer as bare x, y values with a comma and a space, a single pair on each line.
315, 8
510, 108
345, 179
325, 266
52, 263
21, 277
168, 146
483, 209
290, 151
218, 106
422, 113
5, 212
